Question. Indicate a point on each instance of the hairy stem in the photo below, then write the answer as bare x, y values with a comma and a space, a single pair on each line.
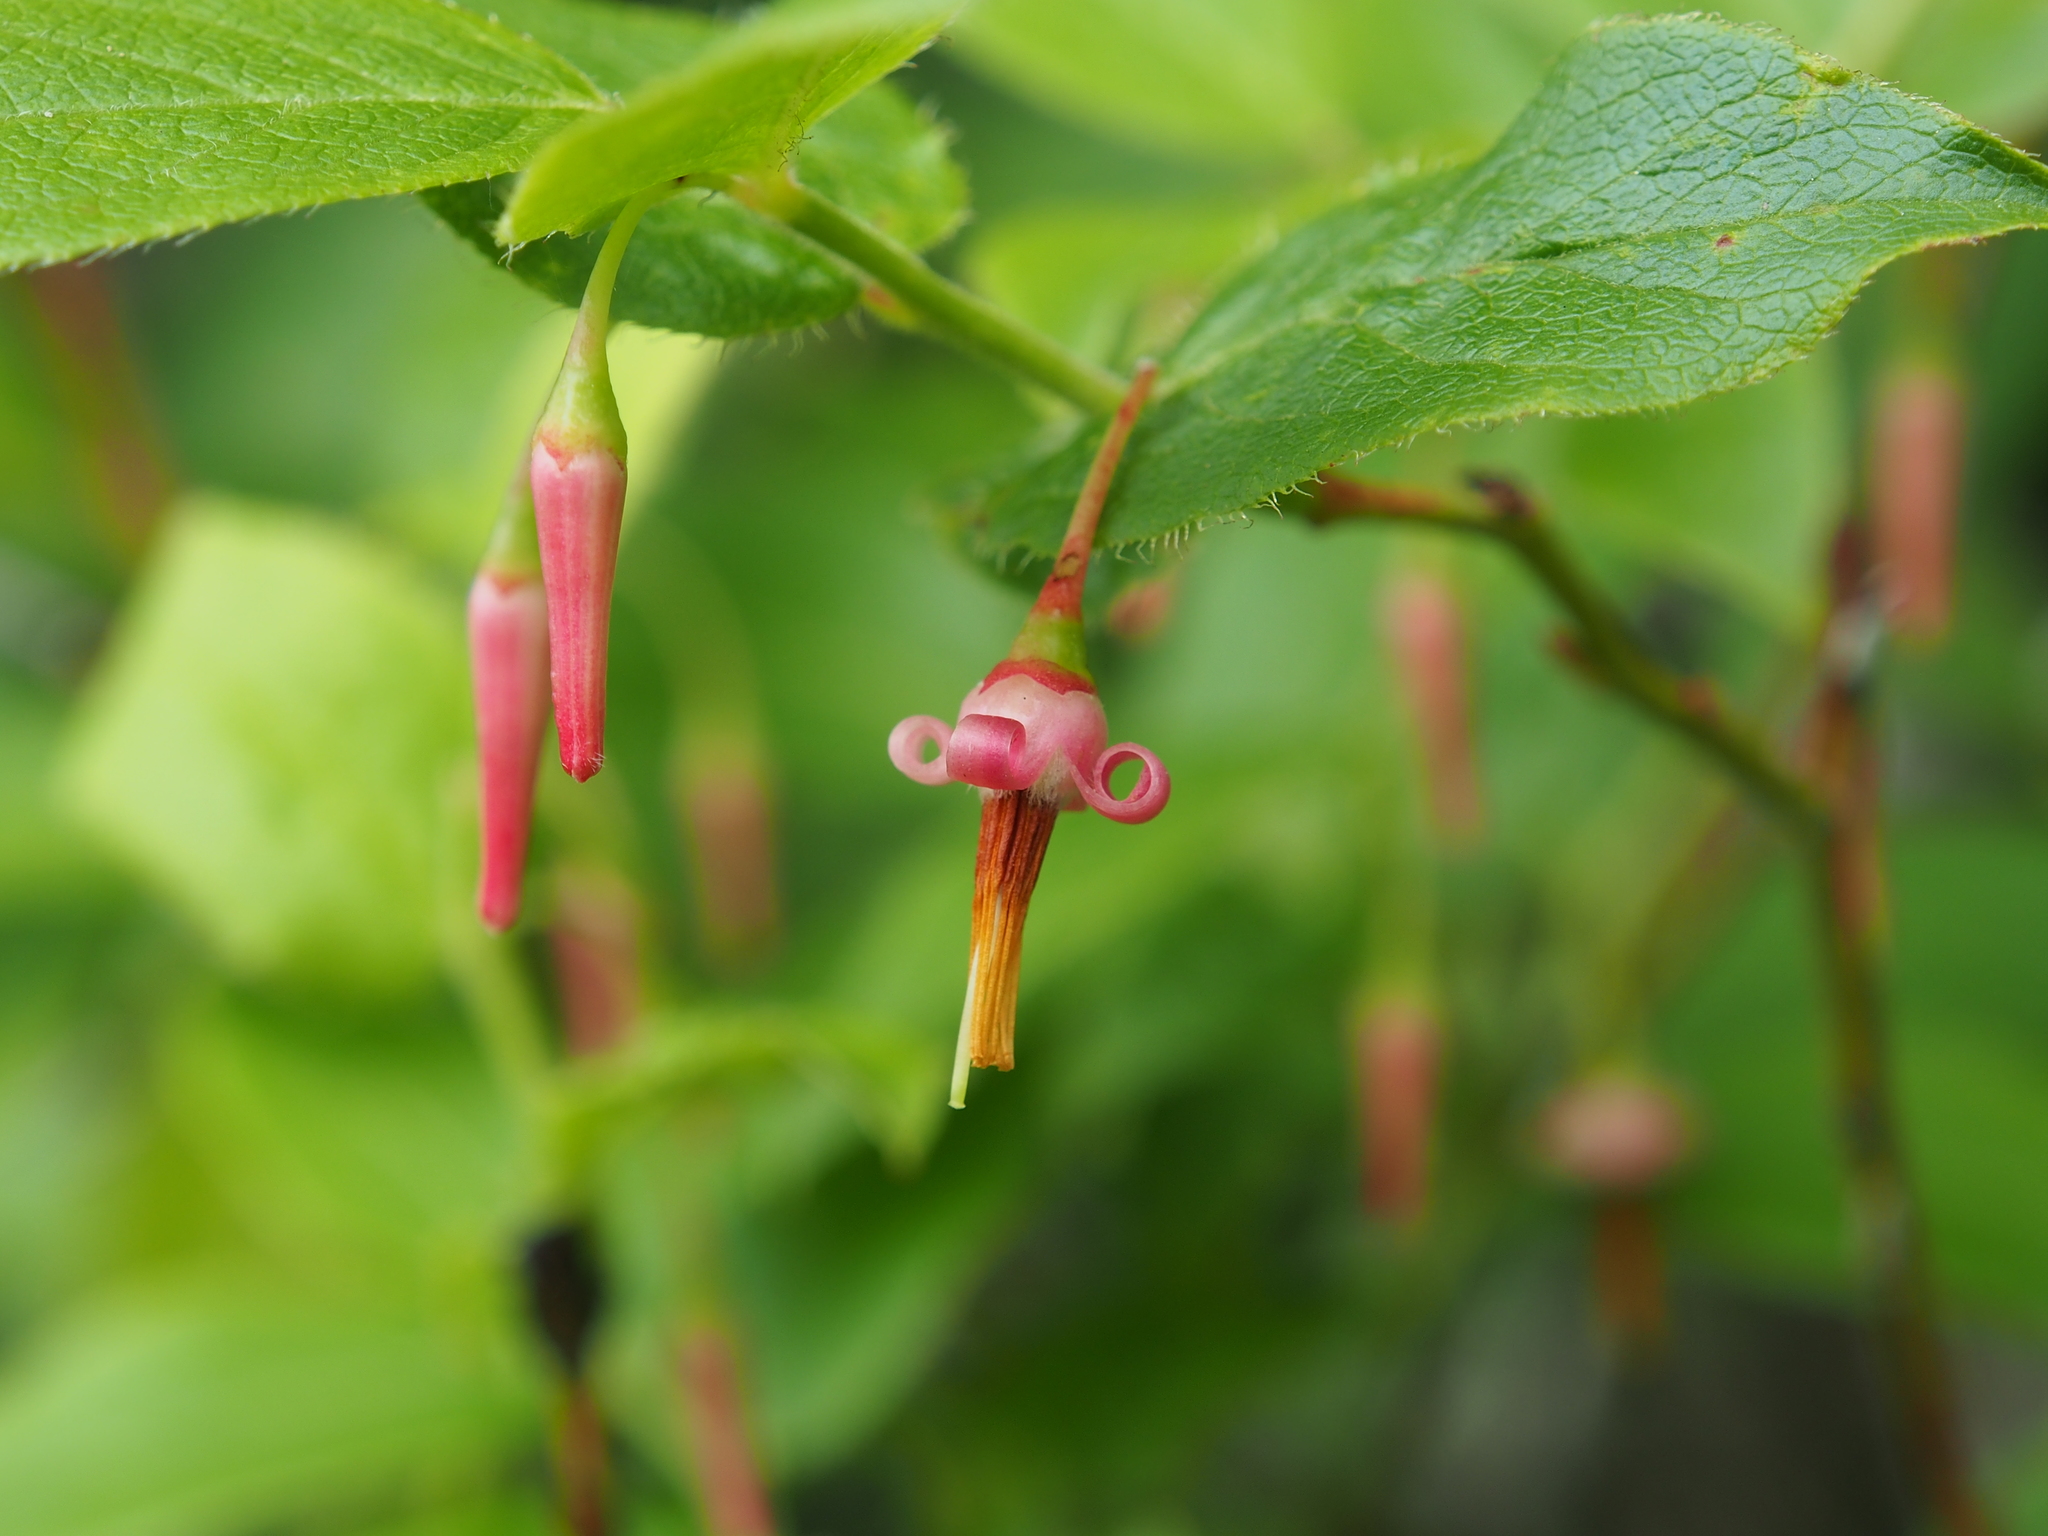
945, 308
1830, 817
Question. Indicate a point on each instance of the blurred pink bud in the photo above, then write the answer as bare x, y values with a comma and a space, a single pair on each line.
595, 942
508, 660
1143, 609
1399, 1049
1916, 472
1425, 630
732, 1499
1615, 1131
579, 497
730, 816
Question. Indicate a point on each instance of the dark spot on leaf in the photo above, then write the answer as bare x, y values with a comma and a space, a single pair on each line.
1724, 242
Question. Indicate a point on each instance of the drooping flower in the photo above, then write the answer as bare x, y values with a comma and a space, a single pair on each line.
1032, 737
1425, 632
1916, 468
1614, 1130
578, 467
594, 938
1617, 1133
1399, 1048
508, 663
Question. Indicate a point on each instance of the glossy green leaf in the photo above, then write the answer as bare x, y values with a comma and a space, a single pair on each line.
704, 264
1686, 207
269, 738
131, 120
192, 1411
742, 105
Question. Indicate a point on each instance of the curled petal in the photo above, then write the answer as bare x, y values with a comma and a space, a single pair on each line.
989, 751
906, 748
1147, 797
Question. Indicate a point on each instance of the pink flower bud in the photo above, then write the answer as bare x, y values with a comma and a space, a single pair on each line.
1916, 472
1426, 633
595, 943
508, 658
1398, 1052
1615, 1131
727, 807
1139, 613
579, 497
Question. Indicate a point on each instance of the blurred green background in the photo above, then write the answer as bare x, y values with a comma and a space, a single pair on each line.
264, 1190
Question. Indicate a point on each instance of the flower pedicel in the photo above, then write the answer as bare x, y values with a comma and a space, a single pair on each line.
1032, 738
578, 466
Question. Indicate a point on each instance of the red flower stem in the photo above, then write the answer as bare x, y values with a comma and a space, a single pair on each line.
1060, 597
1830, 832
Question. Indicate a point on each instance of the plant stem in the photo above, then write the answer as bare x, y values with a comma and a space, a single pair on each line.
1602, 646
1832, 823
948, 310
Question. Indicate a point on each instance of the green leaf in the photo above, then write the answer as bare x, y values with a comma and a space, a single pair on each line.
1114, 281
1686, 207
200, 1410
703, 264
743, 105
618, 46
131, 120
1226, 78
268, 739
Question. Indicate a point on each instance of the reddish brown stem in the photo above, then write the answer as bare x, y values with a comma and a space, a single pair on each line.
101, 393
731, 1494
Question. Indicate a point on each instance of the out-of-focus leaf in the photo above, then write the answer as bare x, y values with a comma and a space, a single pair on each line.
213, 1408
46, 864
1684, 208
136, 119
1113, 281
506, 1515
1229, 78
617, 45
741, 105
1986, 58
886, 1080
848, 1290
356, 1141
266, 742
1972, 1075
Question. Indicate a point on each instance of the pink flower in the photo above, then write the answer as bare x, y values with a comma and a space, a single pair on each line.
579, 497
1399, 1046
1615, 1131
1425, 631
1032, 738
508, 658
1916, 475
